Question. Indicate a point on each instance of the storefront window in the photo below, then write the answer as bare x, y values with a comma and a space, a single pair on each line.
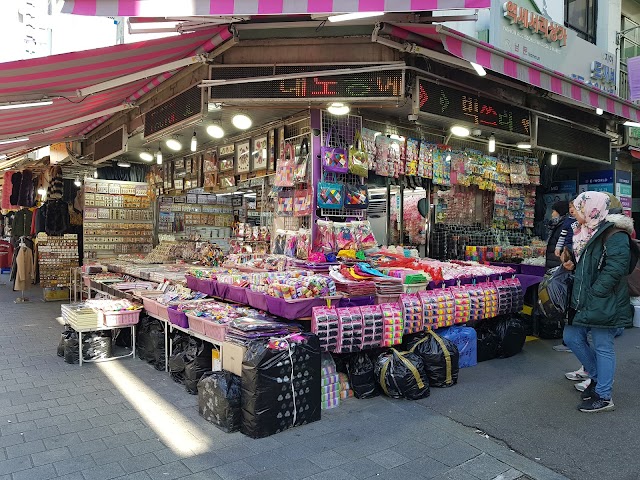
629, 48
580, 16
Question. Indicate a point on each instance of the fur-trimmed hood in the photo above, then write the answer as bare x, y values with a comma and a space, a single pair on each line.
621, 221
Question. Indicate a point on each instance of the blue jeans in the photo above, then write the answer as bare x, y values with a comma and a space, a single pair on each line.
599, 358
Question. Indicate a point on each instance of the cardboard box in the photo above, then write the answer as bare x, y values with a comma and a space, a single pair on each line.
232, 355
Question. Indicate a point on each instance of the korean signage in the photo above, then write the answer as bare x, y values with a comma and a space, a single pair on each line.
534, 31
598, 181
623, 190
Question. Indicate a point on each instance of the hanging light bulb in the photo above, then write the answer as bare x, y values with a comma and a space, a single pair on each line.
492, 143
159, 156
77, 181
554, 159
194, 142
95, 173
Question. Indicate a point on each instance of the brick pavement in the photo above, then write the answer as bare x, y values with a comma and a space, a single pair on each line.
125, 420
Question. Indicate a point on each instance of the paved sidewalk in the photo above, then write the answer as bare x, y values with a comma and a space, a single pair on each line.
123, 419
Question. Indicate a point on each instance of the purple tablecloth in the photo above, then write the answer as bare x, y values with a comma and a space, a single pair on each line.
528, 280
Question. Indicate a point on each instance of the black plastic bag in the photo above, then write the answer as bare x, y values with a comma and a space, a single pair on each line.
198, 363
96, 345
274, 399
488, 341
402, 374
440, 357
554, 292
219, 400
550, 328
155, 342
142, 338
362, 376
63, 336
511, 336
72, 349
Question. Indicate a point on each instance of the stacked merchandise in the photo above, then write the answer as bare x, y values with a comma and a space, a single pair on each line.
392, 324
80, 316
56, 257
510, 298
330, 383
246, 329
373, 326
281, 385
351, 330
412, 313
326, 325
345, 386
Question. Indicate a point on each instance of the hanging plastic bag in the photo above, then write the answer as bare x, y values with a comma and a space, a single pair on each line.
285, 169
358, 158
440, 357
554, 293
362, 377
219, 400
511, 336
302, 160
402, 374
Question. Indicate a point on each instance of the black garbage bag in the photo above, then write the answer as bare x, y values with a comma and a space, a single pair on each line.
511, 336
198, 362
402, 374
219, 400
362, 376
550, 328
280, 385
142, 337
72, 349
122, 337
488, 341
440, 357
177, 365
156, 345
63, 336
96, 345
554, 292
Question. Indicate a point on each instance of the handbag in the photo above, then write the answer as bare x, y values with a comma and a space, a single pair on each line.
330, 194
285, 203
334, 159
300, 173
356, 197
286, 167
302, 202
358, 158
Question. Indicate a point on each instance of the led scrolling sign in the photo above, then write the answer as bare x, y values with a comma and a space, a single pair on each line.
482, 112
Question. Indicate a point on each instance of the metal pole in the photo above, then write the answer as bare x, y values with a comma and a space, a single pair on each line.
388, 211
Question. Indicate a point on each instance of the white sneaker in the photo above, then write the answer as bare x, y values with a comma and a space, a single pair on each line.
582, 386
578, 375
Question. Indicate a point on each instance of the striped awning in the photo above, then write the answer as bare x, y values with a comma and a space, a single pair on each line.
58, 77
174, 8
514, 66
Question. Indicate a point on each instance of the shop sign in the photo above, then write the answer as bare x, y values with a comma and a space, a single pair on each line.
482, 112
598, 181
179, 110
379, 85
624, 190
534, 31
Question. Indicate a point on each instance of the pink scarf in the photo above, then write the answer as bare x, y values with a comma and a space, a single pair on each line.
594, 207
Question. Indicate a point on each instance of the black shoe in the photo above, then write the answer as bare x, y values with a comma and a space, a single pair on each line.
596, 404
589, 391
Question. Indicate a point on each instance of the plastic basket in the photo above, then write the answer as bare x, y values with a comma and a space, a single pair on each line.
205, 285
162, 311
414, 287
192, 282
216, 331
196, 323
150, 305
300, 308
120, 319
257, 300
236, 295
177, 317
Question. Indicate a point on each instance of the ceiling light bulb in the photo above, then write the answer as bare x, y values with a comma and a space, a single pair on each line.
628, 123
492, 143
479, 69
241, 121
124, 164
9, 106
599, 111
353, 16
14, 140
95, 173
448, 159
146, 156
77, 182
523, 145
159, 157
173, 144
337, 108
42, 192
554, 159
194, 142
215, 131
459, 131
212, 107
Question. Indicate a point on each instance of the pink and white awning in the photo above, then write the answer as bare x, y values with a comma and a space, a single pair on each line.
58, 77
181, 8
510, 65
